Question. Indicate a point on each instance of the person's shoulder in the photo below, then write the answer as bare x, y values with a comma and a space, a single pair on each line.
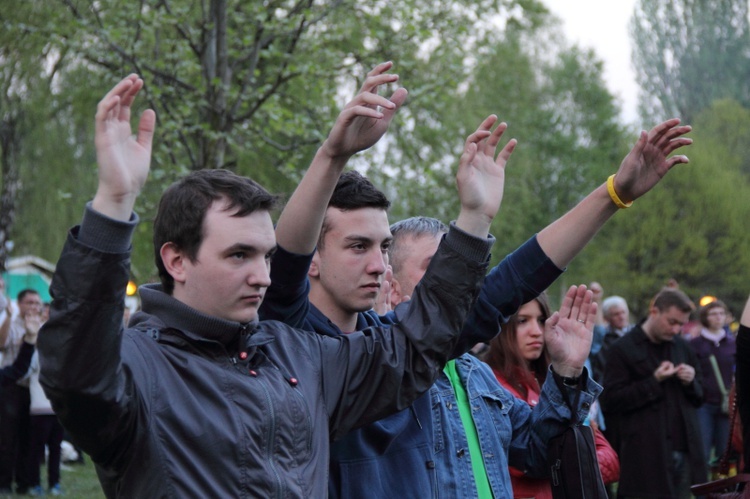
629, 343
696, 341
683, 341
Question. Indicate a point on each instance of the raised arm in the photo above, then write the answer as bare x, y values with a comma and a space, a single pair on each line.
640, 171
123, 158
89, 287
361, 124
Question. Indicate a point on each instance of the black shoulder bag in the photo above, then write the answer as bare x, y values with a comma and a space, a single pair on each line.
571, 457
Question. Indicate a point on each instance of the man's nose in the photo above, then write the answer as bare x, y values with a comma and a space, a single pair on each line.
260, 274
378, 263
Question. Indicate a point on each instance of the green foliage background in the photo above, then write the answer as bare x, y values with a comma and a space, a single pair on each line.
254, 87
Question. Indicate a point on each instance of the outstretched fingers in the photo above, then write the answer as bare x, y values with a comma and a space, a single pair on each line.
675, 144
493, 140
586, 307
580, 305
662, 127
567, 303
667, 136
110, 106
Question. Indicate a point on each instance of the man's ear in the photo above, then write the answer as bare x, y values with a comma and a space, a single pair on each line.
653, 312
174, 261
314, 270
396, 295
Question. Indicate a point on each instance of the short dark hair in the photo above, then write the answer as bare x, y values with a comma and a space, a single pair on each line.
703, 313
670, 297
411, 227
24, 292
183, 207
354, 191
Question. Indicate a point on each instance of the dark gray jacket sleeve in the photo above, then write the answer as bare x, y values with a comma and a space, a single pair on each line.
79, 346
387, 368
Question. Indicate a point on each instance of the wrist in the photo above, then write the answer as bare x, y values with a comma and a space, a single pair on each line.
335, 160
474, 222
114, 206
613, 194
569, 372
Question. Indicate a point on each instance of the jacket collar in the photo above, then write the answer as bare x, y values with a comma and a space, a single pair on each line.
175, 314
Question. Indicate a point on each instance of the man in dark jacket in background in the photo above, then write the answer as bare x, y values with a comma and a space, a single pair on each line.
651, 384
198, 398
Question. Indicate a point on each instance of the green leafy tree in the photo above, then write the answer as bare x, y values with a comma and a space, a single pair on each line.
688, 53
250, 86
27, 70
555, 101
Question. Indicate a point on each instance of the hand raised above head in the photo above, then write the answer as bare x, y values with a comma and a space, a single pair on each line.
365, 119
481, 175
648, 161
568, 333
124, 159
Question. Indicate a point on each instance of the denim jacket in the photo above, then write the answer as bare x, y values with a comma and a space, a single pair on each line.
510, 432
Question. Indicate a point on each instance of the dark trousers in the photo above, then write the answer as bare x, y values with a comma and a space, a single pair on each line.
14, 436
46, 430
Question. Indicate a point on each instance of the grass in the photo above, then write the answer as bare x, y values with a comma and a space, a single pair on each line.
77, 481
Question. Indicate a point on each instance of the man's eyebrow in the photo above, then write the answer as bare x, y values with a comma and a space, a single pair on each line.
364, 239
249, 248
358, 239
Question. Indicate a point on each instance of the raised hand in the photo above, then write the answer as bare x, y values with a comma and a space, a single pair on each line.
383, 303
568, 332
123, 158
649, 160
365, 119
32, 323
481, 176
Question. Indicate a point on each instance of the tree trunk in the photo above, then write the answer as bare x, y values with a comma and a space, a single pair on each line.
9, 147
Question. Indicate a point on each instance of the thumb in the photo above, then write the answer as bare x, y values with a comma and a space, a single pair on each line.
398, 98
